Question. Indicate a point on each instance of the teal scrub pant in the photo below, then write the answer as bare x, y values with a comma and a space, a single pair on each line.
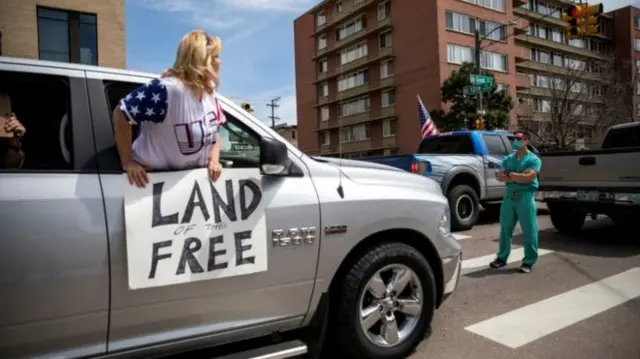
521, 208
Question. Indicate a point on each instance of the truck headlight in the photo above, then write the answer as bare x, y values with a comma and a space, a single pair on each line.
445, 221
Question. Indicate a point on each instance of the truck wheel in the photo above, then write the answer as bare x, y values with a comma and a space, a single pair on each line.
465, 207
565, 219
385, 303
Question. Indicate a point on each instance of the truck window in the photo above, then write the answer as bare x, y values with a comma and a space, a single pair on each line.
452, 145
41, 103
627, 136
495, 145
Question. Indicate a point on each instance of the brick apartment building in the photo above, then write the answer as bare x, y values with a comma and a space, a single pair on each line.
289, 132
89, 31
361, 63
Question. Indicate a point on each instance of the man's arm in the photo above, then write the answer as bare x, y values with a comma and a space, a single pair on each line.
529, 174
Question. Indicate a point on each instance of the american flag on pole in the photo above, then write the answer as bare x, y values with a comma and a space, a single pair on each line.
427, 126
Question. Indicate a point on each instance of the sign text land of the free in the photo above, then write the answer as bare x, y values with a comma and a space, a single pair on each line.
182, 227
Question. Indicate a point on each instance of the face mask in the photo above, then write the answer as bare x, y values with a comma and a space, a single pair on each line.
516, 145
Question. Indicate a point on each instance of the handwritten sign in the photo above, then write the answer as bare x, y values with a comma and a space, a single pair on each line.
184, 228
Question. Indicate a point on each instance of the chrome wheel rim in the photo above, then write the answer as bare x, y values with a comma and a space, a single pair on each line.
390, 305
464, 207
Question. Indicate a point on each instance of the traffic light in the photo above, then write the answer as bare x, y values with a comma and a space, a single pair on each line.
590, 14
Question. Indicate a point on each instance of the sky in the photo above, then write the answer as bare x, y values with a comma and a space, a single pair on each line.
257, 35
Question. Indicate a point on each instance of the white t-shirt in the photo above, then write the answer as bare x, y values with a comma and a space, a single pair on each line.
176, 130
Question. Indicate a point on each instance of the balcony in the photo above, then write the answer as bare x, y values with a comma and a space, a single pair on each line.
547, 93
387, 112
389, 141
517, 3
375, 28
323, 100
556, 46
538, 67
348, 9
354, 65
538, 17
354, 119
522, 81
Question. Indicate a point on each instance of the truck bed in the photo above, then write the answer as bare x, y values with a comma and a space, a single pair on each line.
617, 168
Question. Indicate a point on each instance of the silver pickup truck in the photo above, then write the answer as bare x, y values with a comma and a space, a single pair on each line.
380, 262
605, 181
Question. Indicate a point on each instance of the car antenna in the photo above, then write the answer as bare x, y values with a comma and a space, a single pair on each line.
340, 189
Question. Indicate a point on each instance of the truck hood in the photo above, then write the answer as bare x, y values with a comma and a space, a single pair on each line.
369, 173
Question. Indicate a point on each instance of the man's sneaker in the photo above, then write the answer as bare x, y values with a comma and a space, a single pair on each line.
498, 263
525, 268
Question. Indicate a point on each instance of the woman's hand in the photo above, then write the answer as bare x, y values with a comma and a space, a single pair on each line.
13, 125
137, 174
215, 169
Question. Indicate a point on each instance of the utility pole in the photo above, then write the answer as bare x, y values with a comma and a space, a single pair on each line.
478, 48
274, 105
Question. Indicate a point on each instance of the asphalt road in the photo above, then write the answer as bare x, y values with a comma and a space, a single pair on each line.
582, 299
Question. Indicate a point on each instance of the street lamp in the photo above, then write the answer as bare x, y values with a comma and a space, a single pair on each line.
479, 39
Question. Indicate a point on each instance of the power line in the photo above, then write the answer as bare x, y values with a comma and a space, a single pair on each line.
273, 104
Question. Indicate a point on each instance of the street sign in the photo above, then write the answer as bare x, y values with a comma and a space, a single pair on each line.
481, 80
475, 89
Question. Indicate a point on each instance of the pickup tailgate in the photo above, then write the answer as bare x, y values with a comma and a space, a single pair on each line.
606, 169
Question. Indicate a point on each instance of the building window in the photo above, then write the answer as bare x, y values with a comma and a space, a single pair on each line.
67, 36
502, 88
322, 66
457, 54
467, 24
354, 107
386, 69
353, 80
324, 113
322, 41
389, 128
385, 40
638, 109
497, 5
323, 90
325, 138
355, 133
339, 6
350, 28
637, 65
638, 88
321, 18
636, 22
637, 43
384, 10
353, 53
388, 98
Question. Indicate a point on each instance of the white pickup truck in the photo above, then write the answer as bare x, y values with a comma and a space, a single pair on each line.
604, 181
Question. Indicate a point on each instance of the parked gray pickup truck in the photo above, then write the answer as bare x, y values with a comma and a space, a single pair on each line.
605, 181
376, 260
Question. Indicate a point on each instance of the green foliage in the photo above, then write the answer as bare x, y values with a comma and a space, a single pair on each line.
461, 113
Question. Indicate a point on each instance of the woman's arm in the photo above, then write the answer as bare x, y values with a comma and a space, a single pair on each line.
214, 152
123, 136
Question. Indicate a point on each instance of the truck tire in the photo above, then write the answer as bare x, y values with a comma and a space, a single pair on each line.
465, 207
367, 306
565, 219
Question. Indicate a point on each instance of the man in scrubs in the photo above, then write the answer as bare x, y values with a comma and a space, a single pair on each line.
519, 171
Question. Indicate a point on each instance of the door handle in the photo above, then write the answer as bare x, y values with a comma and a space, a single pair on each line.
587, 161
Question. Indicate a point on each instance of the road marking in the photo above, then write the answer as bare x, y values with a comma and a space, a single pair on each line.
459, 237
477, 264
524, 325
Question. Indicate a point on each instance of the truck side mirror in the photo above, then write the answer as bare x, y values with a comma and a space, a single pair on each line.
274, 157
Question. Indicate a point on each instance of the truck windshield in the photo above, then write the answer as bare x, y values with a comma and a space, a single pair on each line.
627, 136
451, 145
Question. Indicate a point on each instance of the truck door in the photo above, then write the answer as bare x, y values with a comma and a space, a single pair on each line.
267, 301
496, 152
54, 272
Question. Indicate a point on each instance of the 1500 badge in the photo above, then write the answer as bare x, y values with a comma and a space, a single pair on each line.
293, 236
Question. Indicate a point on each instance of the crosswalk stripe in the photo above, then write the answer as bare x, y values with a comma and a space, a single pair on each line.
477, 264
459, 237
529, 323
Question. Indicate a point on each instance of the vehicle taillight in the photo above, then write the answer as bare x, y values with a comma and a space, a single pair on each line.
422, 168
415, 167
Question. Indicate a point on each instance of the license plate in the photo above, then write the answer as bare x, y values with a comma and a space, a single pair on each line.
591, 196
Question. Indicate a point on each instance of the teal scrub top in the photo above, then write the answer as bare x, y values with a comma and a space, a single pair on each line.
528, 162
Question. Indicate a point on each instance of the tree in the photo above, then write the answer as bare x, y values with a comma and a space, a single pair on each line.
461, 112
577, 103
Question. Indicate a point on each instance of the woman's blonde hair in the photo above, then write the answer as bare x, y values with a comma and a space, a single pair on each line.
193, 66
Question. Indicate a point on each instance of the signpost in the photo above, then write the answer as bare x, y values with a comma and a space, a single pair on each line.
479, 84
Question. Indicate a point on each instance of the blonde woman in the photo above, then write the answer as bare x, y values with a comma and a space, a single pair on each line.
179, 115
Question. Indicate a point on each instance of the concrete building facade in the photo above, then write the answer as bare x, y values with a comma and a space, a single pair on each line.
90, 32
361, 63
